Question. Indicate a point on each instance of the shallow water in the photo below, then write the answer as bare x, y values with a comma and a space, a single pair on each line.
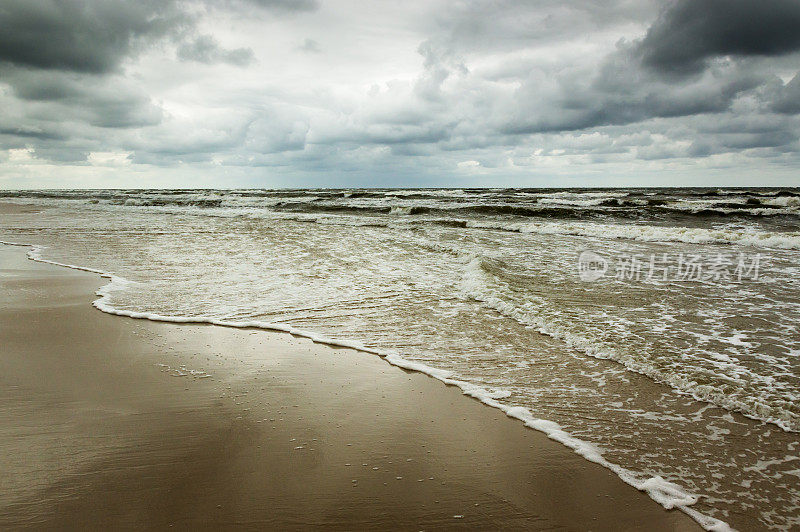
655, 363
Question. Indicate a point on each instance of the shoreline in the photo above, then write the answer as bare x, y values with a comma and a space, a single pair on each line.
559, 458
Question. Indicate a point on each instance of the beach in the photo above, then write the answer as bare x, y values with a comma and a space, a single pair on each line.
99, 430
682, 386
292, 264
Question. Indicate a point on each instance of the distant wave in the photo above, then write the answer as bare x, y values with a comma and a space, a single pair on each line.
597, 208
776, 193
162, 202
651, 233
488, 206
496, 210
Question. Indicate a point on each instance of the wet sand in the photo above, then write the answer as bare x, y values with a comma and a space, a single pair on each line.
98, 432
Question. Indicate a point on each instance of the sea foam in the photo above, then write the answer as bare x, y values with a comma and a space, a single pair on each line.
650, 233
476, 287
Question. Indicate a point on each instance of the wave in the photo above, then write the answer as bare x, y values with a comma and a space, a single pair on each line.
496, 210
666, 493
747, 192
752, 209
523, 211
569, 204
60, 194
296, 206
789, 240
480, 272
782, 201
162, 202
269, 193
410, 210
637, 232
554, 208
650, 233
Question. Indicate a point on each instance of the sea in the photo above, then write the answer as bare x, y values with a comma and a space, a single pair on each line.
653, 331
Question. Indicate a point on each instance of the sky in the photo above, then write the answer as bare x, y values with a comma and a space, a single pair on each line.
419, 93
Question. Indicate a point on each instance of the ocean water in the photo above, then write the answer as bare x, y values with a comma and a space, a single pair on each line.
655, 331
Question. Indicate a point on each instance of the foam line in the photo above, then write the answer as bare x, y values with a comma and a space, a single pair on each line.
666, 493
650, 233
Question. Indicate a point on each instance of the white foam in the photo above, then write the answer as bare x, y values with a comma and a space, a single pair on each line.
695, 206
573, 194
666, 493
475, 286
651, 233
574, 202
785, 201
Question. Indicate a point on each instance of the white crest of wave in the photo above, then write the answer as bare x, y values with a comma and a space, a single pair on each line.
652, 233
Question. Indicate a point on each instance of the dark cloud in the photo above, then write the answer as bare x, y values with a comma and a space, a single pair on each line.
80, 36
206, 49
768, 139
620, 93
29, 132
61, 154
690, 32
100, 101
583, 94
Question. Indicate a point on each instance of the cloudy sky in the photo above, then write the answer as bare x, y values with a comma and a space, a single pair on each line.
276, 93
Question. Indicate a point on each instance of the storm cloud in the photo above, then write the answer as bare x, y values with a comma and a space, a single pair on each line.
428, 93
82, 36
691, 32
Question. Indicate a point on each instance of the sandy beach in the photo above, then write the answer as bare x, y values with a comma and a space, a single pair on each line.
115, 422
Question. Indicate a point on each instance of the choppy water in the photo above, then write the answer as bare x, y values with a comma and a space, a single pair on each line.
692, 327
